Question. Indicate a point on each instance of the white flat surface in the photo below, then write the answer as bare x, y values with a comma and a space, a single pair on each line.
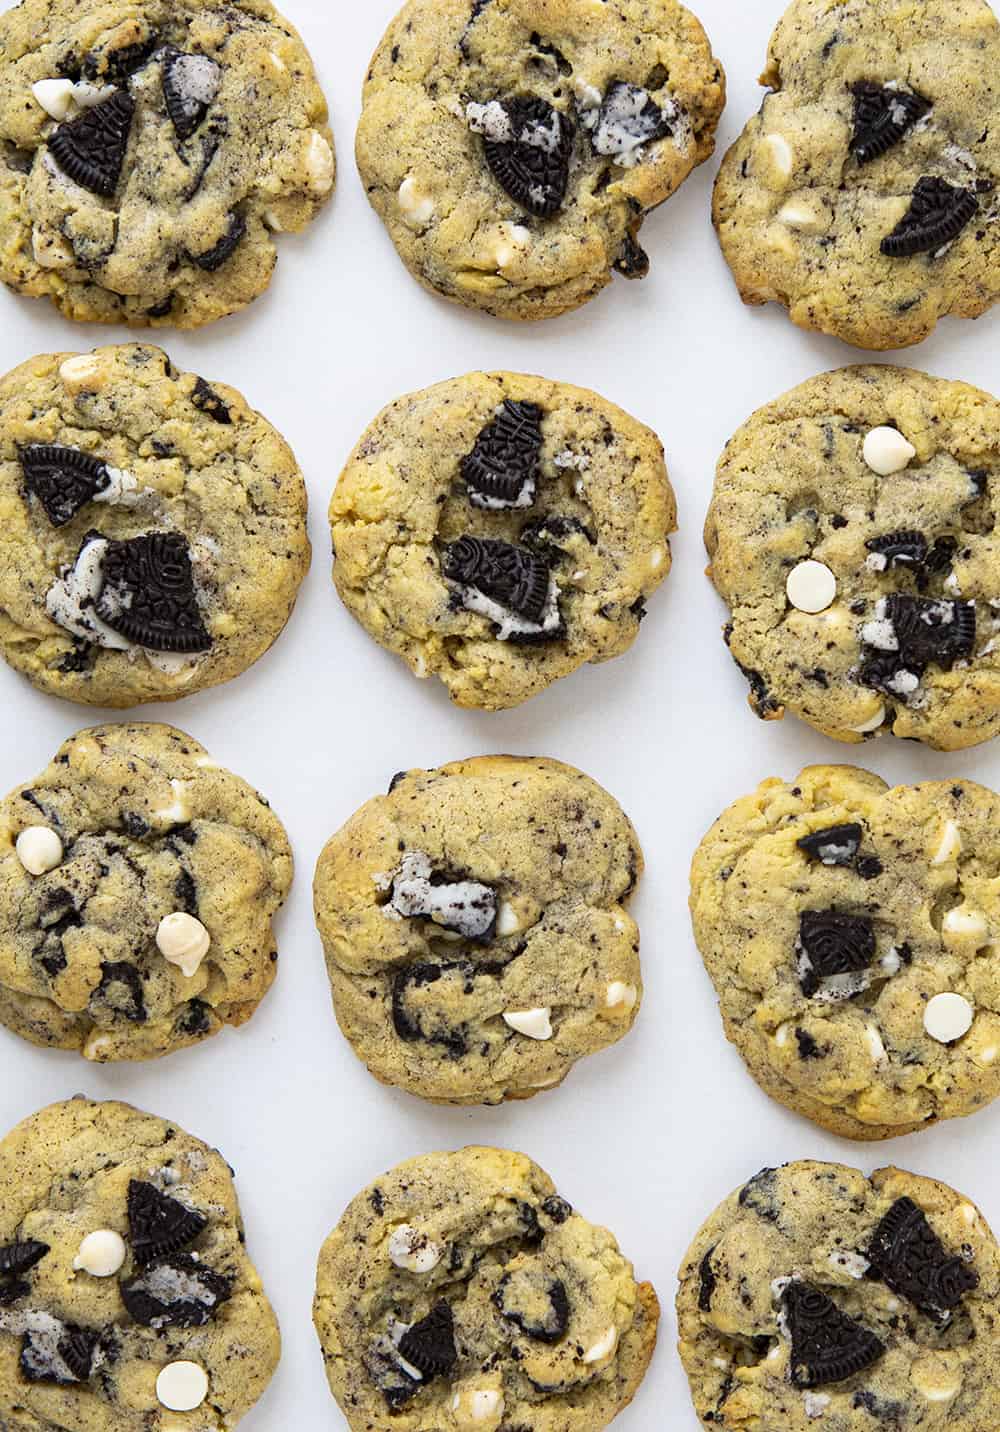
650, 1136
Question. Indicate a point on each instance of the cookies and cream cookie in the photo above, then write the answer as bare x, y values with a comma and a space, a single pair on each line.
475, 931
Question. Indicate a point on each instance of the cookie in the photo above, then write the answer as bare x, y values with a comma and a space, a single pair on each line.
474, 928
461, 1291
138, 882
513, 148
499, 531
851, 536
150, 150
863, 194
848, 932
152, 528
817, 1298
126, 1292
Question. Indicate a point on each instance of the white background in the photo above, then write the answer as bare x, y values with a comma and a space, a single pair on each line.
650, 1136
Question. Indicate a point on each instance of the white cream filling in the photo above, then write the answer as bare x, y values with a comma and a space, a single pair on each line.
465, 906
510, 623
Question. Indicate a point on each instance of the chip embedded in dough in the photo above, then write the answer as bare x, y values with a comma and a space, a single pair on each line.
499, 531
152, 832
461, 1291
863, 194
474, 927
512, 148
111, 1351
833, 914
149, 151
890, 480
153, 534
816, 1297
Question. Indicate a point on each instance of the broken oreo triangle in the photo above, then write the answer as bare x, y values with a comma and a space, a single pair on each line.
837, 845
910, 1259
532, 165
429, 1345
937, 214
190, 84
148, 594
833, 944
91, 149
882, 117
159, 1225
177, 1292
827, 1345
513, 576
64, 479
502, 470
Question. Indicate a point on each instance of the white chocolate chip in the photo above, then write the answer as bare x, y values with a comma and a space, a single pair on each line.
319, 163
970, 1215
535, 1023
182, 1386
949, 846
988, 1056
603, 1348
417, 207
183, 941
619, 993
478, 1406
80, 372
796, 215
413, 1250
101, 1254
965, 922
87, 95
39, 849
507, 919
886, 451
937, 1378
875, 1045
55, 97
815, 1403
779, 152
179, 810
656, 559
948, 1017
273, 221
811, 587
277, 62
872, 724
51, 251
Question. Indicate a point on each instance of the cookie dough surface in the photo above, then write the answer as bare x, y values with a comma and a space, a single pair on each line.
474, 929
139, 1264
815, 1298
149, 151
513, 148
882, 482
145, 827
499, 531
835, 916
863, 195
460, 1291
152, 528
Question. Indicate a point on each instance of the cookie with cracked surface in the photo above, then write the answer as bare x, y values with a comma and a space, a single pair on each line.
474, 928
848, 932
499, 531
150, 151
152, 528
851, 534
512, 148
863, 195
816, 1297
461, 1291
138, 882
140, 1301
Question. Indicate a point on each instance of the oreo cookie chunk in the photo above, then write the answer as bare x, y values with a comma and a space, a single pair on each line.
799, 1315
156, 555
561, 132
138, 884
478, 533
450, 1295
861, 196
83, 1336
466, 913
848, 1002
851, 536
157, 150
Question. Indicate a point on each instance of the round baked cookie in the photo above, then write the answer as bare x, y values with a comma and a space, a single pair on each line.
474, 928
848, 930
152, 528
126, 1293
460, 1291
862, 195
513, 148
138, 881
499, 531
851, 534
815, 1298
149, 149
